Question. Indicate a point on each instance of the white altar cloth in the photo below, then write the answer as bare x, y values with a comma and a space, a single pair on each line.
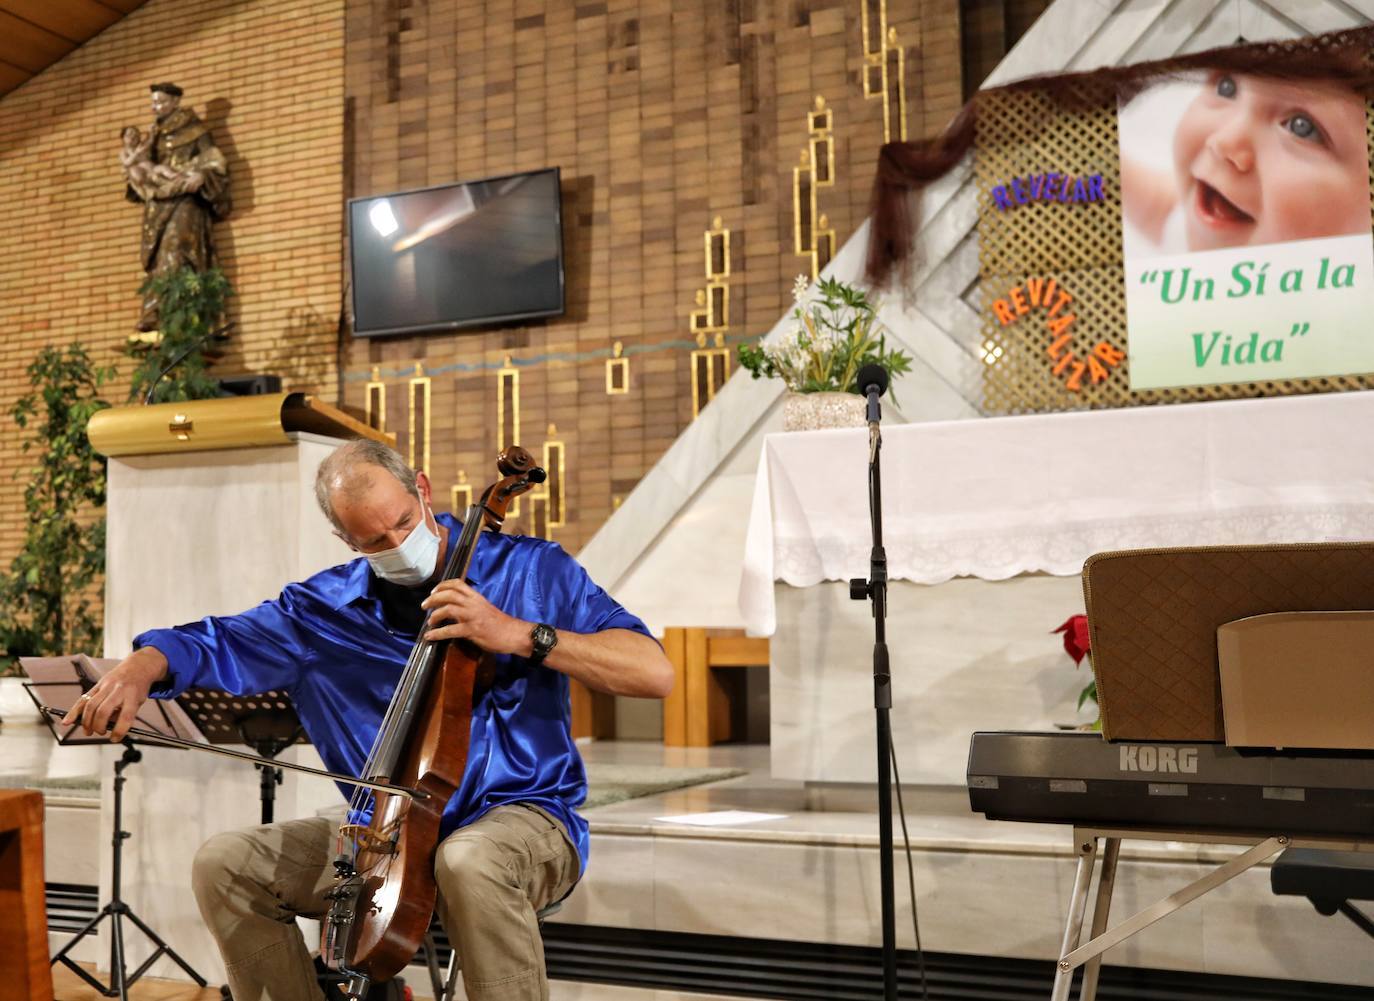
1003, 496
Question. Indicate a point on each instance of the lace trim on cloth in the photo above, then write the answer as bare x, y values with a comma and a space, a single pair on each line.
1062, 551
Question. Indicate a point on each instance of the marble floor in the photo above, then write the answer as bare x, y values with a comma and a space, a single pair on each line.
936, 816
808, 872
67, 986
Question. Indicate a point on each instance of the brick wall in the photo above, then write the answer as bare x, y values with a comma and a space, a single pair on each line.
988, 30
268, 79
662, 115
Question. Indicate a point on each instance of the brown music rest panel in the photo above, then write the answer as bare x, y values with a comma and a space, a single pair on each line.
1153, 618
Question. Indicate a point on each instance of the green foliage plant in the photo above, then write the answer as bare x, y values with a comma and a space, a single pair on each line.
45, 598
835, 333
190, 305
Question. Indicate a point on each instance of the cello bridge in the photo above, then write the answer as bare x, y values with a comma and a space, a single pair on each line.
367, 839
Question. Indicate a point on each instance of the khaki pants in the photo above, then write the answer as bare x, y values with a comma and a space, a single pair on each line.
493, 875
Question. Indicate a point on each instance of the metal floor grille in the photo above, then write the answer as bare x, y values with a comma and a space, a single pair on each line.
766, 968
70, 906
769, 968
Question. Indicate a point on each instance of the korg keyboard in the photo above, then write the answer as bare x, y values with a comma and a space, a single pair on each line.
1079, 778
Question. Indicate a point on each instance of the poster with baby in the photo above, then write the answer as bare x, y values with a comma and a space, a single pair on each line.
1247, 244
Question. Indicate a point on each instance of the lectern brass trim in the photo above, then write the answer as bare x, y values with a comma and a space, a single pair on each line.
232, 422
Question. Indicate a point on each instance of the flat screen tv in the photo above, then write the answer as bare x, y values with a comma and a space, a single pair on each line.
457, 255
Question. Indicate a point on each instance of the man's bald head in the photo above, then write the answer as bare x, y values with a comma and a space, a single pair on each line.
351, 471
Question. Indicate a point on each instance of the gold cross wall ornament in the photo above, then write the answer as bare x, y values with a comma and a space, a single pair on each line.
548, 504
617, 371
375, 404
508, 415
711, 360
884, 69
812, 235
710, 369
460, 497
417, 423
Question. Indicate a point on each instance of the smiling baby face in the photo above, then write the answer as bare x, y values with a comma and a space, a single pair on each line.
1264, 161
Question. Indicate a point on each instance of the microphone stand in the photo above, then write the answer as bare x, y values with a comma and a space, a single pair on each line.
875, 590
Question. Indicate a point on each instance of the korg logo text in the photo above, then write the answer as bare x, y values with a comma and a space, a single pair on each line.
1148, 758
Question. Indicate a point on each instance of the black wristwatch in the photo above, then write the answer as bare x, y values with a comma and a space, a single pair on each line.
544, 638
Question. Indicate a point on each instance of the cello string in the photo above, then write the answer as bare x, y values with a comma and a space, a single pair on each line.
403, 686
412, 675
373, 848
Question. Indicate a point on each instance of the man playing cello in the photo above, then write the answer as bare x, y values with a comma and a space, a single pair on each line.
510, 841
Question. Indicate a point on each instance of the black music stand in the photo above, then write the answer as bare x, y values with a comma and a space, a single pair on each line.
267, 723
61, 694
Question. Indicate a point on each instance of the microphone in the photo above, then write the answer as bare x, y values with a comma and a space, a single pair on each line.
198, 342
872, 382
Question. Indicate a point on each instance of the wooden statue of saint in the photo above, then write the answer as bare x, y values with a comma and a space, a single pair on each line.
181, 178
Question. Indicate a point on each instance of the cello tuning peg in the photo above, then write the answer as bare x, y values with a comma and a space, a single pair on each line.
514, 460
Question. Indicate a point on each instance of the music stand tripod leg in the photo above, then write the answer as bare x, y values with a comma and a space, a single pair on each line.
119, 983
163, 949
1102, 907
1073, 928
117, 910
1358, 916
61, 956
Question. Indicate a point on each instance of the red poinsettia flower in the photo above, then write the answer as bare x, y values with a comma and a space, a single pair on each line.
1076, 642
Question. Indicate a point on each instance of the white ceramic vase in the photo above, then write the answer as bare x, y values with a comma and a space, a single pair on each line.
813, 411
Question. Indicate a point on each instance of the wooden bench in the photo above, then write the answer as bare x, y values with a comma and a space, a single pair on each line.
24, 971
593, 713
707, 704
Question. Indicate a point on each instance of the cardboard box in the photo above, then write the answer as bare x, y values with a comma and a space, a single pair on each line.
1298, 679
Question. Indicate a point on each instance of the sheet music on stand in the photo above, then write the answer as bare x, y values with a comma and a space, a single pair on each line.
58, 682
265, 722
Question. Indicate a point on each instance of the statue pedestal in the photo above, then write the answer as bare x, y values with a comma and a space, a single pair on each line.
210, 533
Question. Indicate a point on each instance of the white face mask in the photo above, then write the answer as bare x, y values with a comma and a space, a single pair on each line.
413, 561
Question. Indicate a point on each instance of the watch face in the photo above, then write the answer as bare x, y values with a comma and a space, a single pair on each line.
544, 638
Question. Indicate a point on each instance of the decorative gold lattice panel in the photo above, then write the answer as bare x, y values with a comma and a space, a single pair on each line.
1022, 133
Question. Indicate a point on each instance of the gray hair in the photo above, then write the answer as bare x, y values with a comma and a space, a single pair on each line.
339, 471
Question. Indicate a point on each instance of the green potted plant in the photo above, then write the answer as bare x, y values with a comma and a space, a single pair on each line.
191, 305
48, 597
835, 332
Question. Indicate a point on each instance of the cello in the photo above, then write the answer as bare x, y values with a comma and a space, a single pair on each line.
384, 892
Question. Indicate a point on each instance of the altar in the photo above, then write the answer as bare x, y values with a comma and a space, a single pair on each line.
986, 526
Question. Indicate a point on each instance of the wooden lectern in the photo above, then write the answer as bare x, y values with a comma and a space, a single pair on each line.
24, 969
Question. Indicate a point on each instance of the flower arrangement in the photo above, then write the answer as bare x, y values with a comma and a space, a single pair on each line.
1078, 645
836, 333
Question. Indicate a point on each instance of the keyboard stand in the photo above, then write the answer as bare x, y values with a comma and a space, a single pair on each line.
1329, 880
1089, 955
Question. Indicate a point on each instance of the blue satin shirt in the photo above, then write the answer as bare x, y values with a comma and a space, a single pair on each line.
325, 642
